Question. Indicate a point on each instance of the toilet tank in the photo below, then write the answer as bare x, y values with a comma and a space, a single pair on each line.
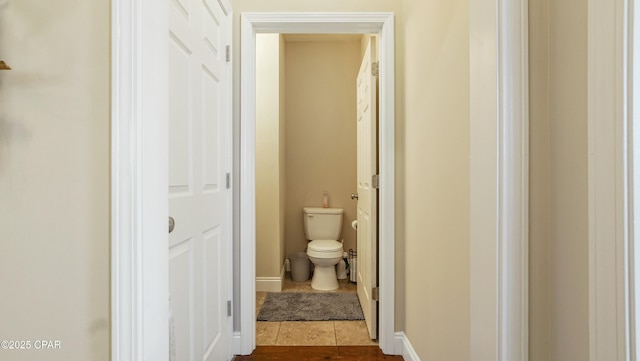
322, 223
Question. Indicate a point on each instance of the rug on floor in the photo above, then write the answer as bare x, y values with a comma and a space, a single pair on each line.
303, 306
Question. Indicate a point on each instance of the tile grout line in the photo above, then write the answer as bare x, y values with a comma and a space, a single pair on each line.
278, 334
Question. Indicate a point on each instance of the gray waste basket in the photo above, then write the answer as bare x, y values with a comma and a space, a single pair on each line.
299, 266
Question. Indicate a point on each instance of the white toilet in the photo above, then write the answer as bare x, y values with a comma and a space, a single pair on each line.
322, 226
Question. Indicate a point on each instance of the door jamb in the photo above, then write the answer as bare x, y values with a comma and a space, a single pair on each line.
358, 23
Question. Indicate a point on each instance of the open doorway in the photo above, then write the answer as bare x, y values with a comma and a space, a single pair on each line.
380, 24
310, 111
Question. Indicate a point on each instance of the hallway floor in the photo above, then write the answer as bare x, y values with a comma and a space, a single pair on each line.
317, 353
315, 333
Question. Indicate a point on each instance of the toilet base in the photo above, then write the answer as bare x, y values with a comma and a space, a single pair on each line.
324, 278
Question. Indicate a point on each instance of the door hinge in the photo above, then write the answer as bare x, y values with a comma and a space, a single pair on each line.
228, 180
228, 308
375, 181
228, 53
375, 68
375, 294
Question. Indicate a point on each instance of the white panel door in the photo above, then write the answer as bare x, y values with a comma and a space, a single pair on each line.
367, 194
199, 160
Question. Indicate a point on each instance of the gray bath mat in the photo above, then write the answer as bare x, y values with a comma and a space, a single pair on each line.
302, 306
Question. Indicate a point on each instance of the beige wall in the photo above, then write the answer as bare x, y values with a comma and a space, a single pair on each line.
568, 149
54, 177
270, 161
321, 132
435, 147
540, 330
559, 215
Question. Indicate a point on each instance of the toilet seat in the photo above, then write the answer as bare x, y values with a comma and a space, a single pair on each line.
324, 249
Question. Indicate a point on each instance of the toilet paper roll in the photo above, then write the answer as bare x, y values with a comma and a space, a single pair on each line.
354, 224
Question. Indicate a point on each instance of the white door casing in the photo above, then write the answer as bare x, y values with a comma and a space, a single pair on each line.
499, 174
612, 77
139, 133
199, 159
318, 23
367, 193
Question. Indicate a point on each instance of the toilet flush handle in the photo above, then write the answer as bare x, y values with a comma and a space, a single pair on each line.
354, 195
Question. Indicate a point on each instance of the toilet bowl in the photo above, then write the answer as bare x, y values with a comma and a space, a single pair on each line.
322, 227
325, 255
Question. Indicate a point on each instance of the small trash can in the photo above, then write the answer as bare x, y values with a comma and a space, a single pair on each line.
300, 265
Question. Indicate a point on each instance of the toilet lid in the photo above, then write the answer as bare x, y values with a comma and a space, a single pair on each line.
325, 245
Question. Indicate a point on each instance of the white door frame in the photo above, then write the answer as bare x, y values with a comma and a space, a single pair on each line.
324, 23
499, 172
612, 37
139, 181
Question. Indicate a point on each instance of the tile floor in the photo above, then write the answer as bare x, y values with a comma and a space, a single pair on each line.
316, 333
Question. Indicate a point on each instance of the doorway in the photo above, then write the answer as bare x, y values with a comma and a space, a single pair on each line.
307, 130
359, 23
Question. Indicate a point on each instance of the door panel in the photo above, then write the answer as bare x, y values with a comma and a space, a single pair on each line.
211, 157
179, 116
180, 273
199, 158
367, 201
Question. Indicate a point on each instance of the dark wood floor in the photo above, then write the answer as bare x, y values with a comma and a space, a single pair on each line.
316, 353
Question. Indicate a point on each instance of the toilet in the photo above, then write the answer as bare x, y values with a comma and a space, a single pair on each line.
322, 227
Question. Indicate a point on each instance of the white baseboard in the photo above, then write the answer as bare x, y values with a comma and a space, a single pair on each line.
270, 284
403, 347
236, 343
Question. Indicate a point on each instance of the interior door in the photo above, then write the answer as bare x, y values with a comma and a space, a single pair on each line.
367, 193
199, 195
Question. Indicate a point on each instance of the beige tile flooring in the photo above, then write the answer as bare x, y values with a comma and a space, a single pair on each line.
315, 333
